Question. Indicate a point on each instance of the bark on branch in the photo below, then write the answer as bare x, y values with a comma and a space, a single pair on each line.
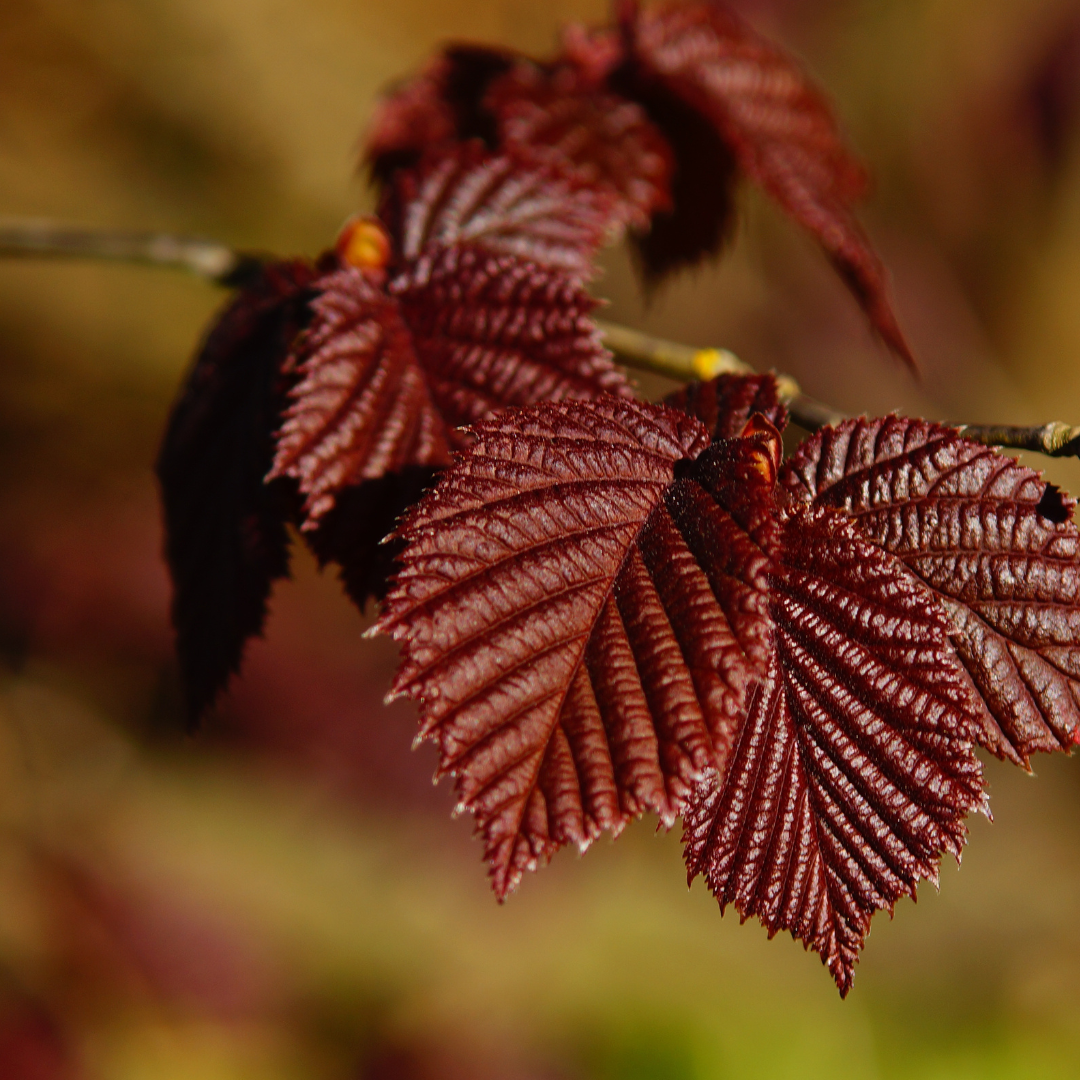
205, 258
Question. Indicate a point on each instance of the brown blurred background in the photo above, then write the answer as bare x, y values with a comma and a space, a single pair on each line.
287, 896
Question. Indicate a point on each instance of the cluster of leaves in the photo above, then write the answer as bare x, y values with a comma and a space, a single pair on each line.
608, 607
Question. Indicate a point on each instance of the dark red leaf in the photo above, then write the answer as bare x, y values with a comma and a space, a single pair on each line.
663, 117
726, 403
779, 127
493, 331
600, 614
463, 329
440, 106
701, 217
524, 652
854, 769
225, 535
507, 203
608, 140
361, 407
974, 526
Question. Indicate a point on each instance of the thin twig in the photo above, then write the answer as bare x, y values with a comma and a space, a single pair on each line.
1054, 439
222, 265
647, 353
205, 258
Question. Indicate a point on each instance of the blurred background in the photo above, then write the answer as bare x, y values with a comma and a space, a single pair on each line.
287, 895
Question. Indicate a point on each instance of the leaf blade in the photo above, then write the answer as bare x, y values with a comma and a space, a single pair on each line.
505, 598
360, 408
853, 768
558, 114
777, 124
225, 535
967, 521
506, 202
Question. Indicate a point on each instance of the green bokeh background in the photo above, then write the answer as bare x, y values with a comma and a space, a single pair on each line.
287, 895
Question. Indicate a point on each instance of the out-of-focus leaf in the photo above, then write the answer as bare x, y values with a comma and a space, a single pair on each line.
440, 106
779, 127
355, 532
662, 115
225, 534
610, 141
508, 203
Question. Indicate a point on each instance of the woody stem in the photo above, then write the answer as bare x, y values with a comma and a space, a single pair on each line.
647, 353
205, 258
223, 265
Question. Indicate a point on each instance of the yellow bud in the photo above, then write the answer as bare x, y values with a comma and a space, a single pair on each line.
363, 243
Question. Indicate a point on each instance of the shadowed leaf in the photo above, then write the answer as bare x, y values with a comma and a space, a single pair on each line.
704, 174
441, 105
354, 534
225, 535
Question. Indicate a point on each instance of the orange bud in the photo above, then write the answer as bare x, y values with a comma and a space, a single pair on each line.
764, 458
363, 243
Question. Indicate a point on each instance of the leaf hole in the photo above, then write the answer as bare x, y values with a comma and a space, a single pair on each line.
684, 469
1054, 506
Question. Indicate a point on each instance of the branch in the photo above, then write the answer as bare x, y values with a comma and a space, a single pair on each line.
224, 266
1054, 439
204, 258
647, 353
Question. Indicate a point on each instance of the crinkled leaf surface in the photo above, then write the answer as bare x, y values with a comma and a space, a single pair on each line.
601, 614
854, 767
361, 407
779, 127
509, 203
225, 534
495, 330
544, 606
608, 140
725, 404
988, 537
388, 369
